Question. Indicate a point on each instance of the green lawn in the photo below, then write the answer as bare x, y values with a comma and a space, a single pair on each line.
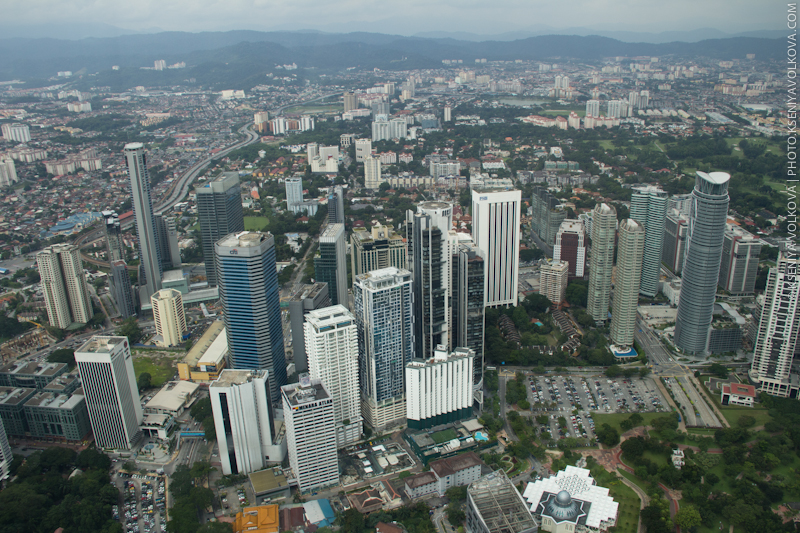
633, 479
444, 436
255, 223
162, 369
613, 419
607, 144
732, 414
629, 503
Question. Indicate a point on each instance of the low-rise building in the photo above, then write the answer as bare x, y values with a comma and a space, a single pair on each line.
58, 417
738, 394
261, 519
495, 506
571, 502
206, 359
449, 472
30, 374
173, 399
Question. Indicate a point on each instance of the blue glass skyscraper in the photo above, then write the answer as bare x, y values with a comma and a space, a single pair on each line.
249, 293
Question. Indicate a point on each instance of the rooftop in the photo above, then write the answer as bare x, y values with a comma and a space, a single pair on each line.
54, 401
173, 396
332, 317
14, 395
297, 394
266, 481
100, 344
214, 332
308, 291
230, 377
457, 463
739, 390
32, 368
421, 479
717, 178
500, 505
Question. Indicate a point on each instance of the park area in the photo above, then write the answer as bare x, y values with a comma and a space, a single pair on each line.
160, 366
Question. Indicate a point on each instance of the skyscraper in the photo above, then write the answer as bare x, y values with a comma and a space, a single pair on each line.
64, 285
149, 259
676, 226
308, 414
495, 230
593, 108
372, 172
219, 211
114, 245
547, 214
363, 149
332, 348
294, 191
122, 290
604, 227
553, 280
169, 317
330, 265
448, 113
244, 421
649, 208
305, 299
249, 293
703, 256
109, 385
439, 390
570, 246
778, 330
336, 206
350, 102
468, 309
378, 248
383, 311
429, 262
167, 232
739, 267
632, 239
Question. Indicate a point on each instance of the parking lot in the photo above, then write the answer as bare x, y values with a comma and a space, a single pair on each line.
144, 504
570, 400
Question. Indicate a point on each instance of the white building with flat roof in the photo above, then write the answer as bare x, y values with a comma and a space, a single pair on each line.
173, 398
331, 341
249, 438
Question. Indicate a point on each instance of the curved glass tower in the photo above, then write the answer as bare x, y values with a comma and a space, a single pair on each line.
649, 208
604, 229
709, 212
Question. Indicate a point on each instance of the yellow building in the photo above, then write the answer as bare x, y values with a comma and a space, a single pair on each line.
206, 359
261, 519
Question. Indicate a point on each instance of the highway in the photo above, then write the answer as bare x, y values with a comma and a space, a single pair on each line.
181, 188
663, 363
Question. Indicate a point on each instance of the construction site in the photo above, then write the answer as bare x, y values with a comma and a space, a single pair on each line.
494, 504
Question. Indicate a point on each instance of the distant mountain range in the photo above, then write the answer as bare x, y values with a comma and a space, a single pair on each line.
253, 53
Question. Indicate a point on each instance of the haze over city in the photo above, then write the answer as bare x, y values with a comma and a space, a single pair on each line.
423, 267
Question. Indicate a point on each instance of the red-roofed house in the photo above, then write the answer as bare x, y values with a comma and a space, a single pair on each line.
738, 394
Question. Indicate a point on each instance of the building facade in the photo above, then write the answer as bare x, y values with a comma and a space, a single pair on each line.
308, 414
439, 390
331, 339
219, 211
372, 172
241, 404
307, 298
703, 257
112, 397
249, 294
495, 230
169, 317
632, 239
547, 214
330, 265
676, 226
169, 252
384, 317
63, 284
429, 261
778, 329
377, 248
604, 227
553, 281
468, 311
649, 208
570, 246
739, 267
149, 258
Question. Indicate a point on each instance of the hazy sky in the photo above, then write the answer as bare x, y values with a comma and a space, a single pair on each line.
404, 16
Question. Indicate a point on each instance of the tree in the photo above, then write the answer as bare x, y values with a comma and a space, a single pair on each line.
210, 428
577, 293
130, 328
217, 527
536, 304
746, 421
456, 493
144, 381
687, 517
63, 355
455, 515
607, 435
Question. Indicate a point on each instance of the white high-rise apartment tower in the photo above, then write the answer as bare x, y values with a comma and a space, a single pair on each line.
331, 340
169, 317
601, 265
63, 284
593, 108
112, 397
243, 418
294, 191
363, 149
308, 414
496, 232
778, 330
632, 238
372, 172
